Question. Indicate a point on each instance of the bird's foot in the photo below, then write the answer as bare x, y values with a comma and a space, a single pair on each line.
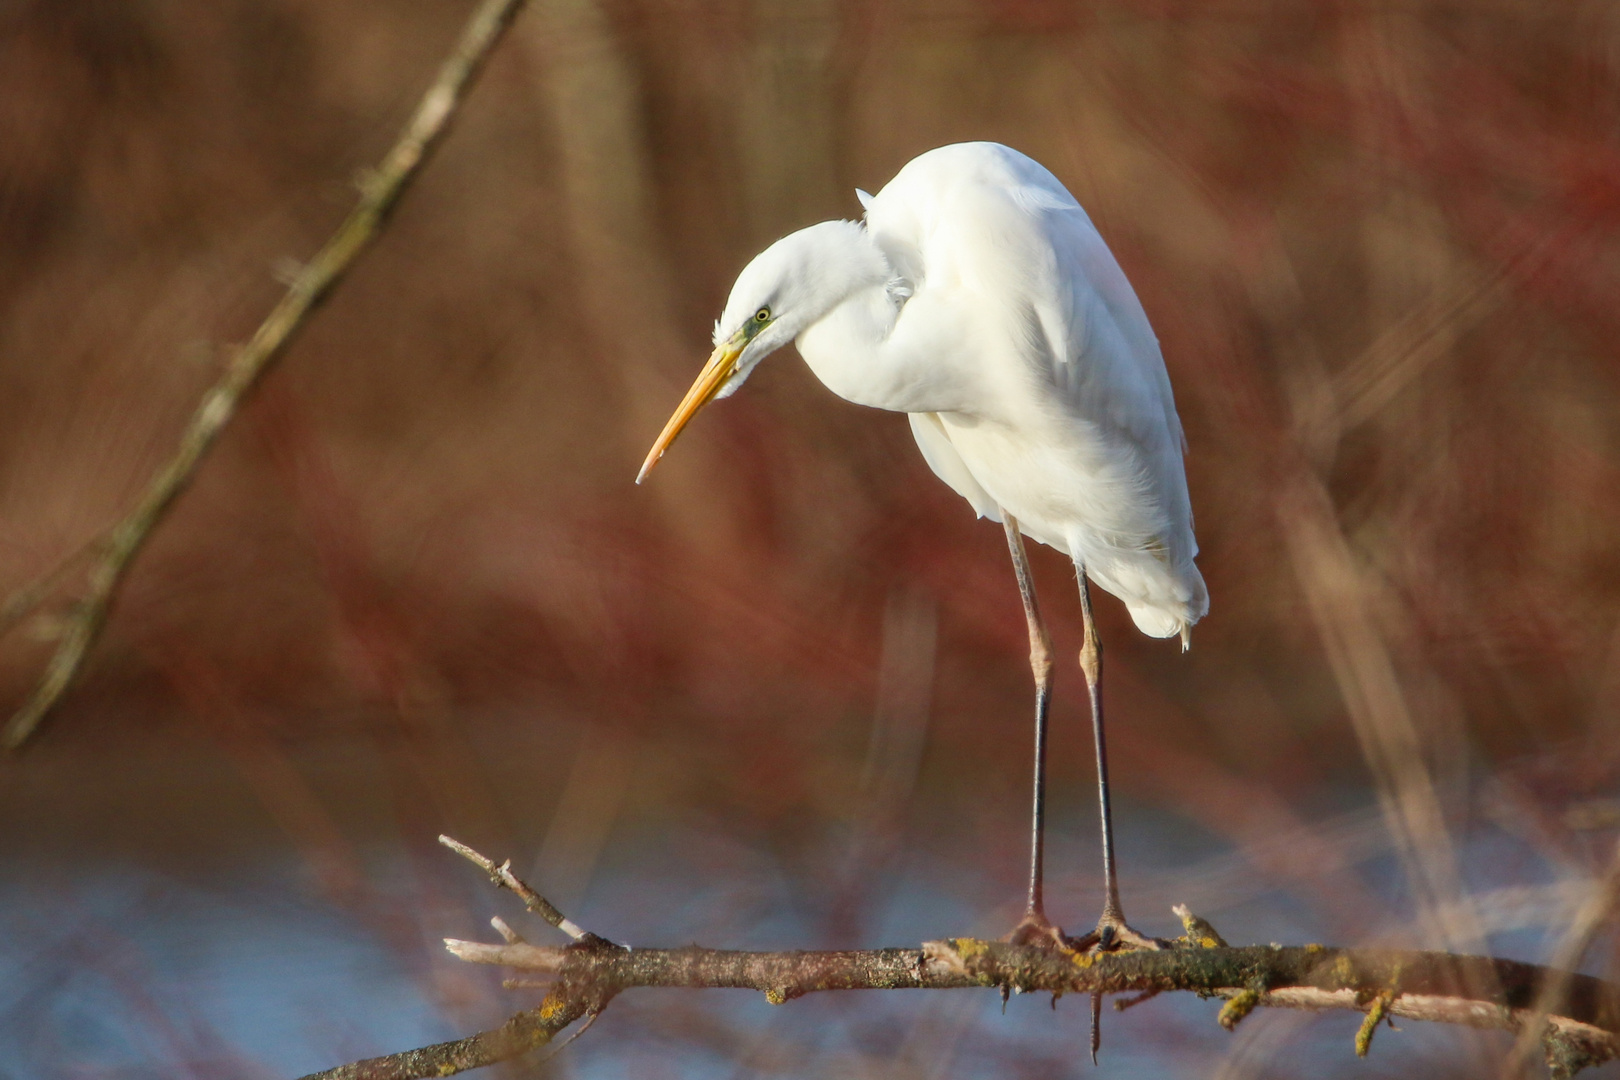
1114, 934
1037, 931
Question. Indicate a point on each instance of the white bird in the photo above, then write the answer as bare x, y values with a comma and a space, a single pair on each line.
979, 299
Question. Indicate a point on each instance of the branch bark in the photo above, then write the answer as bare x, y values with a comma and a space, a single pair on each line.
380, 190
1581, 1029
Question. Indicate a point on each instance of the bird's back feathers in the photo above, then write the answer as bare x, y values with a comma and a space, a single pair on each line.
1073, 390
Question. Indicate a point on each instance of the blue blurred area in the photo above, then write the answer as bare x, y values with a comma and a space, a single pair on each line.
122, 972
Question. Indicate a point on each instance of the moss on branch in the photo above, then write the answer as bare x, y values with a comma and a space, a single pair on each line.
1577, 1017
1472, 990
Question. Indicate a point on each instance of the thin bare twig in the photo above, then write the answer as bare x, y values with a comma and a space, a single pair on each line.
503, 877
380, 190
568, 1001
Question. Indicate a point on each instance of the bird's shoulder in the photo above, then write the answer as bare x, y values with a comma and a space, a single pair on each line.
944, 204
995, 225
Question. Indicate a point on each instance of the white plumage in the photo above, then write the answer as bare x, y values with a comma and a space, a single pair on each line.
980, 299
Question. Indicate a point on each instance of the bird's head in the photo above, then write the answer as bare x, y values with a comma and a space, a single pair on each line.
785, 289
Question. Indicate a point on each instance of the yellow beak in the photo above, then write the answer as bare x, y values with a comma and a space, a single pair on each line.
721, 366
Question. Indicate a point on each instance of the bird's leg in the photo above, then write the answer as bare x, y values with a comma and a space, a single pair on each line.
1091, 666
1034, 926
1112, 931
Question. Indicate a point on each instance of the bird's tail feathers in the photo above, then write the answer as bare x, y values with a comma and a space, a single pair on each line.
1157, 620
1163, 602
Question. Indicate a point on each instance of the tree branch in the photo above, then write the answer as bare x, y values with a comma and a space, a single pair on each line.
380, 190
522, 1033
1581, 1028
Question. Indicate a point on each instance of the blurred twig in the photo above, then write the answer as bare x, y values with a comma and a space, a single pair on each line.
1341, 600
25, 600
1401, 353
1471, 990
380, 190
1589, 920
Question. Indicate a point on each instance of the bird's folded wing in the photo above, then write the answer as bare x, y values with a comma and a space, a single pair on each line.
948, 465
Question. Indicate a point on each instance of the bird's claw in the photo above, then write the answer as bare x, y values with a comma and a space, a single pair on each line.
1035, 930
1114, 934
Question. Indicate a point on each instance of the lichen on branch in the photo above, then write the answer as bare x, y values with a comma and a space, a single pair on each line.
1477, 991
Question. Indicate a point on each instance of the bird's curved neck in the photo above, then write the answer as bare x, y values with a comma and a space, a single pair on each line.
873, 349
853, 347
845, 346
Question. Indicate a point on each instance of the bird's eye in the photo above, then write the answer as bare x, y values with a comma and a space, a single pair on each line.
762, 315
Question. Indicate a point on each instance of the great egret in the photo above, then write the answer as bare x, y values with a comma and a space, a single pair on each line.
979, 299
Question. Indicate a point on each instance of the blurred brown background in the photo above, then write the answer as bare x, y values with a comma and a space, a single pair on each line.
778, 696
